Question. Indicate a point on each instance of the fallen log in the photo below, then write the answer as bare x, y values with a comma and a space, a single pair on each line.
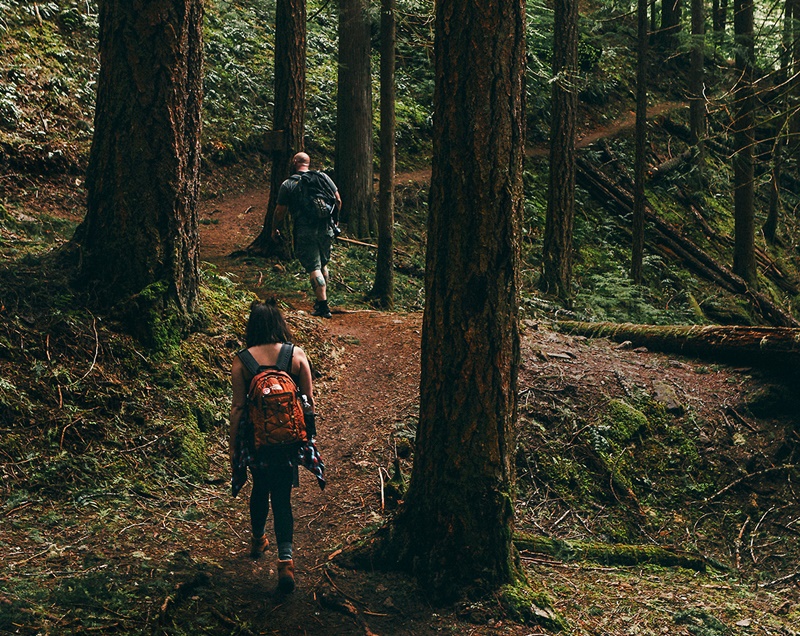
754, 344
609, 554
619, 200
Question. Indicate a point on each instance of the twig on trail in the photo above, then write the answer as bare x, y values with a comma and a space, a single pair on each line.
753, 534
739, 542
240, 629
96, 352
380, 476
247, 211
741, 419
736, 482
335, 587
783, 579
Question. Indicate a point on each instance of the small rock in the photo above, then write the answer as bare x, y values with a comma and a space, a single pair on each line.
665, 394
640, 350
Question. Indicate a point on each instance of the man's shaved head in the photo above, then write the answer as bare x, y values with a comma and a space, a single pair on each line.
301, 159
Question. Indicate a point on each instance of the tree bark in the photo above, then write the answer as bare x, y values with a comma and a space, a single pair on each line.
670, 21
383, 290
354, 119
744, 261
637, 248
139, 237
560, 220
455, 529
288, 121
697, 102
794, 87
765, 344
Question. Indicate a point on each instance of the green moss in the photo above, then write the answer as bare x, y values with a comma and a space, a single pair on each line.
533, 608
623, 421
192, 449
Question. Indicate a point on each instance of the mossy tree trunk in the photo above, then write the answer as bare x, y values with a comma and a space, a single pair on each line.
288, 120
455, 529
383, 290
139, 238
354, 170
766, 344
559, 224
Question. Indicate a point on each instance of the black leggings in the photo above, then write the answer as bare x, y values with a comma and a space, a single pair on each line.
272, 483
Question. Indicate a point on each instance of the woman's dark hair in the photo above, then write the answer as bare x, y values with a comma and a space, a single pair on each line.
266, 324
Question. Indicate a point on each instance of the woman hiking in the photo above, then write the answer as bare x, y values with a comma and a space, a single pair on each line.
261, 438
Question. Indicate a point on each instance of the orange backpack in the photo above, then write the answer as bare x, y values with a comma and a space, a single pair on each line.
274, 405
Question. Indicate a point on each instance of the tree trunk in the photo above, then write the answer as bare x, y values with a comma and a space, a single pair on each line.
288, 117
383, 290
354, 119
794, 94
765, 344
455, 529
139, 238
637, 250
558, 234
770, 227
670, 21
744, 260
697, 102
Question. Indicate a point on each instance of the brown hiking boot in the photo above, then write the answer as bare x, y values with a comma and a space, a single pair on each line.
258, 545
286, 576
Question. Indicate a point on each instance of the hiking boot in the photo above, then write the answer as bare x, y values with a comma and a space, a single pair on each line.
321, 309
258, 545
286, 576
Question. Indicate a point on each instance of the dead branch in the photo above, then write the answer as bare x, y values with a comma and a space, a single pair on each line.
672, 242
759, 473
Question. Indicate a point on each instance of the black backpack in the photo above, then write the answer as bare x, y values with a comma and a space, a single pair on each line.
316, 197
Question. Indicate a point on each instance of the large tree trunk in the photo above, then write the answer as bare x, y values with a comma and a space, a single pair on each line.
354, 119
744, 260
383, 290
765, 344
639, 169
558, 234
456, 527
288, 119
139, 238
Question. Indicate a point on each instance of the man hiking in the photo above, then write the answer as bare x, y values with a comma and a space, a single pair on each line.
314, 202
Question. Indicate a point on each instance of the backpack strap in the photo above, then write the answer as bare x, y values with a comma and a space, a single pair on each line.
249, 362
284, 362
285, 356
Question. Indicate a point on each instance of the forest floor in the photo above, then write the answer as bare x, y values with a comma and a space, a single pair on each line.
745, 521
369, 388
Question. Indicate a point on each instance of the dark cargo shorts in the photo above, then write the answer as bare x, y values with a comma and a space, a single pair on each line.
312, 247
